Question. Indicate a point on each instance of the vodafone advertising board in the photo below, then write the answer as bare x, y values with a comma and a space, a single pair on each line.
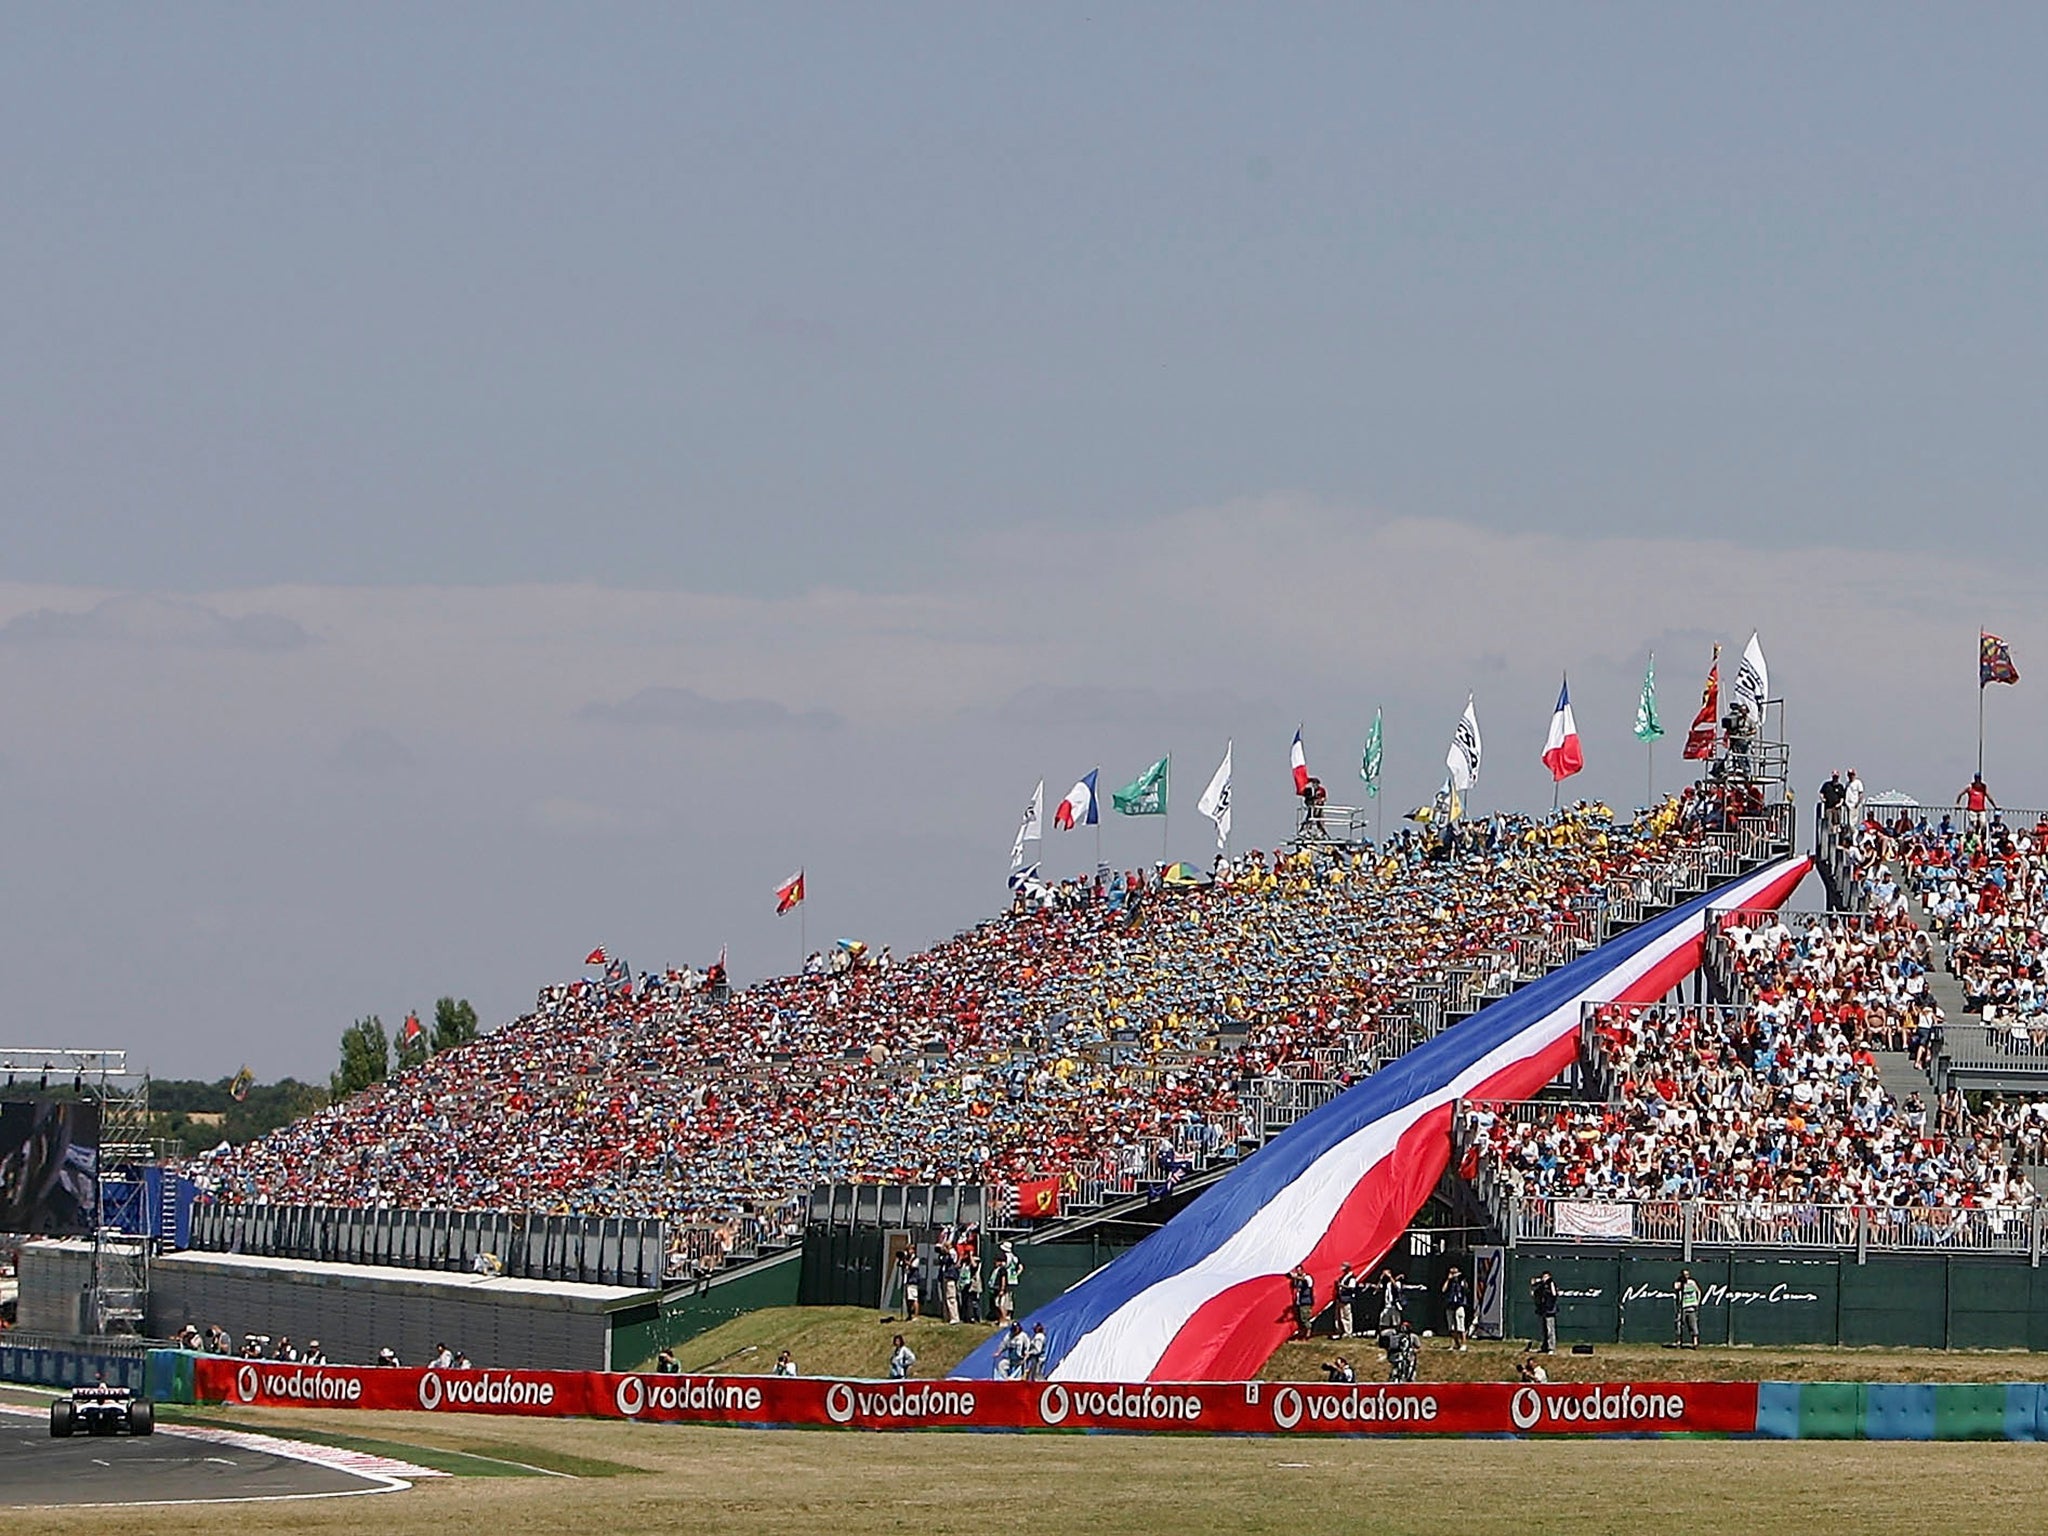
1240, 1408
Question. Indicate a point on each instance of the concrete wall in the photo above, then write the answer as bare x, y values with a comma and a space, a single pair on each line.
356, 1310
54, 1277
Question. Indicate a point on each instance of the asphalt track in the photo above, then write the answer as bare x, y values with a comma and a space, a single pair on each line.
165, 1467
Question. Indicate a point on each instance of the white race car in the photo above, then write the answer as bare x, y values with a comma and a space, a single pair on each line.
102, 1410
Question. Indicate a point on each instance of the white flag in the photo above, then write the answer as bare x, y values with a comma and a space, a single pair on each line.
1463, 758
1215, 801
1031, 828
1753, 681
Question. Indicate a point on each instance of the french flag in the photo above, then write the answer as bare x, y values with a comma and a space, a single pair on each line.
1562, 754
1079, 806
1206, 1297
1299, 759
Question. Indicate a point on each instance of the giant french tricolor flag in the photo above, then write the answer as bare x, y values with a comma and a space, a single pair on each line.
1562, 754
1206, 1297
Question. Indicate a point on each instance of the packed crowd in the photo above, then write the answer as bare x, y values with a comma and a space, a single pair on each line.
1091, 1030
1776, 1101
1982, 883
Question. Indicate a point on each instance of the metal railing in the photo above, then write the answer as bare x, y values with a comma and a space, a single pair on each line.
1693, 1224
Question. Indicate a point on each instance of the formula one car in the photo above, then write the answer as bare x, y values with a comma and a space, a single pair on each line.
102, 1410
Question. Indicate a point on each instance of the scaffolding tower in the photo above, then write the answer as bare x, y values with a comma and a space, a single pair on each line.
119, 1293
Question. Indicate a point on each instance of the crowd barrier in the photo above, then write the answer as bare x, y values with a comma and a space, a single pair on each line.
55, 1366
1769, 1410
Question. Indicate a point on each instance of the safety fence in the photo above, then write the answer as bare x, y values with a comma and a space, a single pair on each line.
595, 1250
56, 1362
2015, 1411
1690, 1224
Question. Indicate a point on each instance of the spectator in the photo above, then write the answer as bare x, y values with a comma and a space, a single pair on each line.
387, 1356
666, 1364
1339, 1371
1391, 1310
1457, 1305
1530, 1369
1303, 1290
1034, 1353
444, 1357
1543, 1296
1686, 1296
315, 1355
1015, 1352
1348, 1293
785, 1364
1403, 1352
901, 1359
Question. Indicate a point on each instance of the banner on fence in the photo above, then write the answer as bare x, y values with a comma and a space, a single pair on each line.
1450, 1408
1593, 1218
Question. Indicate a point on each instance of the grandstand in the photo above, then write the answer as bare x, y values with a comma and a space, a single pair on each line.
1123, 1039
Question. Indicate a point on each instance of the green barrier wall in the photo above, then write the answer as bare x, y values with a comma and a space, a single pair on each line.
1954, 1301
641, 1333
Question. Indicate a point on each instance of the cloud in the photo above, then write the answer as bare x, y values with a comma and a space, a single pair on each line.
687, 710
142, 619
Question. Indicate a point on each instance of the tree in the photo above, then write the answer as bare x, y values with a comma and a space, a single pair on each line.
454, 1023
365, 1057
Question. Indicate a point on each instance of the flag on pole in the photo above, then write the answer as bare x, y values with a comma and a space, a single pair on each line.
1369, 764
1699, 741
1562, 754
597, 956
1752, 682
240, 1084
1215, 801
1031, 828
1463, 758
1648, 726
1079, 808
410, 1030
789, 893
1994, 661
1298, 760
1023, 875
1146, 794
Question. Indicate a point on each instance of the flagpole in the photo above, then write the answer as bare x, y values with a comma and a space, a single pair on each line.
1980, 701
1165, 811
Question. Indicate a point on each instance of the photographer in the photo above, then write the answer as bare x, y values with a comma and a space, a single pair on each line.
1543, 1296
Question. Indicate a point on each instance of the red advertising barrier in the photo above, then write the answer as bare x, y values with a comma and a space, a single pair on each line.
1240, 1408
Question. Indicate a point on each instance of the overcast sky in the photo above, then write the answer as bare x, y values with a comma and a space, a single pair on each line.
479, 482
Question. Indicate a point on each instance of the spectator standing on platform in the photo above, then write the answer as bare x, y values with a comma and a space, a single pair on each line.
901, 1358
1457, 1306
1976, 799
949, 1283
1828, 806
1348, 1290
1543, 1296
1390, 1300
1304, 1290
1687, 1299
1852, 800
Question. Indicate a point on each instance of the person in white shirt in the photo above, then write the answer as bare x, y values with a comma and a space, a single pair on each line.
785, 1364
1034, 1354
444, 1357
901, 1358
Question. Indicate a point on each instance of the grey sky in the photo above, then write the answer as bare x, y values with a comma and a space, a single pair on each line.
478, 482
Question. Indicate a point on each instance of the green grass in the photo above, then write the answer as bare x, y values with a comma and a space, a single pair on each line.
826, 1341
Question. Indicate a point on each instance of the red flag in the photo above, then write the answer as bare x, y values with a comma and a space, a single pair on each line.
410, 1030
1038, 1198
596, 957
789, 893
1699, 741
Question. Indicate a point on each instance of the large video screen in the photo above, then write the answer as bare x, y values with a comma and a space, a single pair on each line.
49, 1159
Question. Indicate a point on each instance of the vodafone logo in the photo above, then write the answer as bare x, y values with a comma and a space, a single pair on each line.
1525, 1408
631, 1396
247, 1383
1053, 1404
839, 1403
430, 1391
1287, 1407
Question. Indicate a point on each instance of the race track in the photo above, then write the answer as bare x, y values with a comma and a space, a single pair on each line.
169, 1467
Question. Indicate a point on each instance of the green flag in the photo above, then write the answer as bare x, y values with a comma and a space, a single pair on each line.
1146, 794
1369, 765
1648, 726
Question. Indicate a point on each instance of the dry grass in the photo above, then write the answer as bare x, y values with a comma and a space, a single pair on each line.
856, 1484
